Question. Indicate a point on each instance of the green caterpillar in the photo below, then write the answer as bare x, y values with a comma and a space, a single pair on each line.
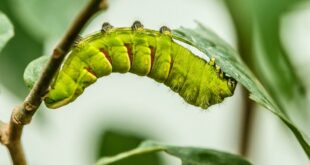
143, 52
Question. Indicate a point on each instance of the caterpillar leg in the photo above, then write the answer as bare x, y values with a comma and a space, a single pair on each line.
232, 83
212, 61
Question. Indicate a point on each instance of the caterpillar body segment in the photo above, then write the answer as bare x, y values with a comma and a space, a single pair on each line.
143, 52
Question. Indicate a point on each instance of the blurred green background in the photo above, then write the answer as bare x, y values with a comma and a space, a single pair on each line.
256, 27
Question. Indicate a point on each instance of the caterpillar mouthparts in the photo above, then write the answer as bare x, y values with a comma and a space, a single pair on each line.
143, 52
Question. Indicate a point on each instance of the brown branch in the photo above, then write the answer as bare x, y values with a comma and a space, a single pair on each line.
10, 134
247, 123
243, 25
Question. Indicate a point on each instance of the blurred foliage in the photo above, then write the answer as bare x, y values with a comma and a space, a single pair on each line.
17, 54
46, 19
36, 22
113, 142
258, 29
6, 30
257, 25
230, 62
188, 155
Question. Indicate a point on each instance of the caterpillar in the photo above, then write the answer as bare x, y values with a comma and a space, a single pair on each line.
143, 52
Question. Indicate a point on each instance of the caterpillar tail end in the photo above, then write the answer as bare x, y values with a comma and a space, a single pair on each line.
54, 105
66, 89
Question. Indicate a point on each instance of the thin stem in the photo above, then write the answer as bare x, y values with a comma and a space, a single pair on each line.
243, 25
10, 134
247, 125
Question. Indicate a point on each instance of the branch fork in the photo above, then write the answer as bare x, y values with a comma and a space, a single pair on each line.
10, 133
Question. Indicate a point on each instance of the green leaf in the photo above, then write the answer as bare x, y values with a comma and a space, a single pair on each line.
33, 70
258, 29
112, 141
188, 155
268, 58
230, 62
6, 30
46, 19
288, 90
226, 57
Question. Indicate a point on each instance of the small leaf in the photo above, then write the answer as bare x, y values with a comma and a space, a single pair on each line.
230, 62
188, 155
33, 70
6, 30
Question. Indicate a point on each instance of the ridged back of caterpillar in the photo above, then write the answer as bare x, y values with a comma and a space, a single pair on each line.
142, 52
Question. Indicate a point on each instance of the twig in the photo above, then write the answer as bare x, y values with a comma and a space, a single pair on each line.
243, 25
247, 124
10, 134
